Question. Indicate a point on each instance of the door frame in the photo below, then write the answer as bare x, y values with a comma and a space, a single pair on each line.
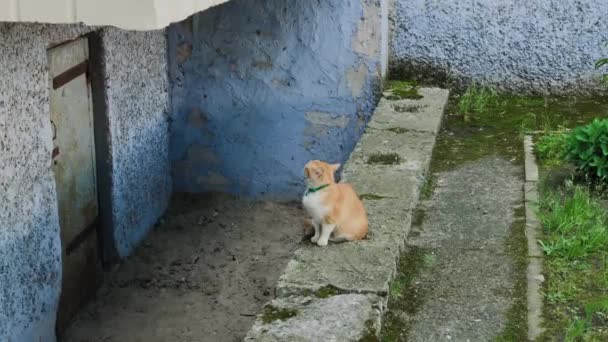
103, 150
96, 74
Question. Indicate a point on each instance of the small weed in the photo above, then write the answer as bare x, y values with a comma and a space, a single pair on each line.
272, 313
551, 148
476, 101
400, 90
384, 159
429, 260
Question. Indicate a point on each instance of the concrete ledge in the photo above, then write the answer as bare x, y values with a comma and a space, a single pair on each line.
400, 140
349, 317
535, 262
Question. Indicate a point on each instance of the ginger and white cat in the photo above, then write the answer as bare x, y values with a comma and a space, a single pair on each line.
337, 212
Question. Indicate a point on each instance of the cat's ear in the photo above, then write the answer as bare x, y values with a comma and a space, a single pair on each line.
335, 167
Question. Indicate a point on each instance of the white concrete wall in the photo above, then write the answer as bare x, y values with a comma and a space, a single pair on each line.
545, 46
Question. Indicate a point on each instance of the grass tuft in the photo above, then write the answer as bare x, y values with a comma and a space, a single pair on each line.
477, 101
576, 246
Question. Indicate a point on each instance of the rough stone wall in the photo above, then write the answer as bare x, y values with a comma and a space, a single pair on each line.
534, 46
261, 86
30, 247
137, 101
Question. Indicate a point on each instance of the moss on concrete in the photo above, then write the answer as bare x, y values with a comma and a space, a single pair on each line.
418, 217
407, 108
517, 316
370, 335
404, 296
384, 158
400, 90
328, 291
272, 313
398, 130
373, 197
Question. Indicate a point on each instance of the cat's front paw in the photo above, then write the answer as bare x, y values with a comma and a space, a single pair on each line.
322, 243
314, 239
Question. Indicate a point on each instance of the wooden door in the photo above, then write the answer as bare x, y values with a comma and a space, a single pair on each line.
74, 168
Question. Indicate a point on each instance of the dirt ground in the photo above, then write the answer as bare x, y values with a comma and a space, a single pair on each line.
202, 274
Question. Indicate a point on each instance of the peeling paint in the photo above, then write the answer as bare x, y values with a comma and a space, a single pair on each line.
280, 82
367, 40
356, 79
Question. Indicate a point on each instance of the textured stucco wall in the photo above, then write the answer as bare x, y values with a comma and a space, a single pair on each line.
30, 251
261, 86
545, 46
30, 248
138, 102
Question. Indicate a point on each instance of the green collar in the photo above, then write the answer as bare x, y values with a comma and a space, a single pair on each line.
313, 190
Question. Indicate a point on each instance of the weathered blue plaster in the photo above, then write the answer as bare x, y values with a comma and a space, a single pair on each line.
30, 246
137, 102
259, 87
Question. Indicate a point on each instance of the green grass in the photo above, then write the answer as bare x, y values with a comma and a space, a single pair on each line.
476, 100
575, 223
551, 148
575, 243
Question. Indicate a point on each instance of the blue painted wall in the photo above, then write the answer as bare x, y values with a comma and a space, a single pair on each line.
259, 87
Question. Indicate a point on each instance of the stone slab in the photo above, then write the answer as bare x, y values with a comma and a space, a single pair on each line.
365, 266
387, 182
362, 268
416, 115
413, 148
355, 267
348, 317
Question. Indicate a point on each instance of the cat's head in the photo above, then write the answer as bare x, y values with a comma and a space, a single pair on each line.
319, 173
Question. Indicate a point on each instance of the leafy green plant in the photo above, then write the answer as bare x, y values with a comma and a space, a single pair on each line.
588, 148
476, 100
552, 148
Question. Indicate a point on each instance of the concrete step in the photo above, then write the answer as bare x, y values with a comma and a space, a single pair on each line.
342, 290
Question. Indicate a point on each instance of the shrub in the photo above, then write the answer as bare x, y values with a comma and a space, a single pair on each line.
588, 148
